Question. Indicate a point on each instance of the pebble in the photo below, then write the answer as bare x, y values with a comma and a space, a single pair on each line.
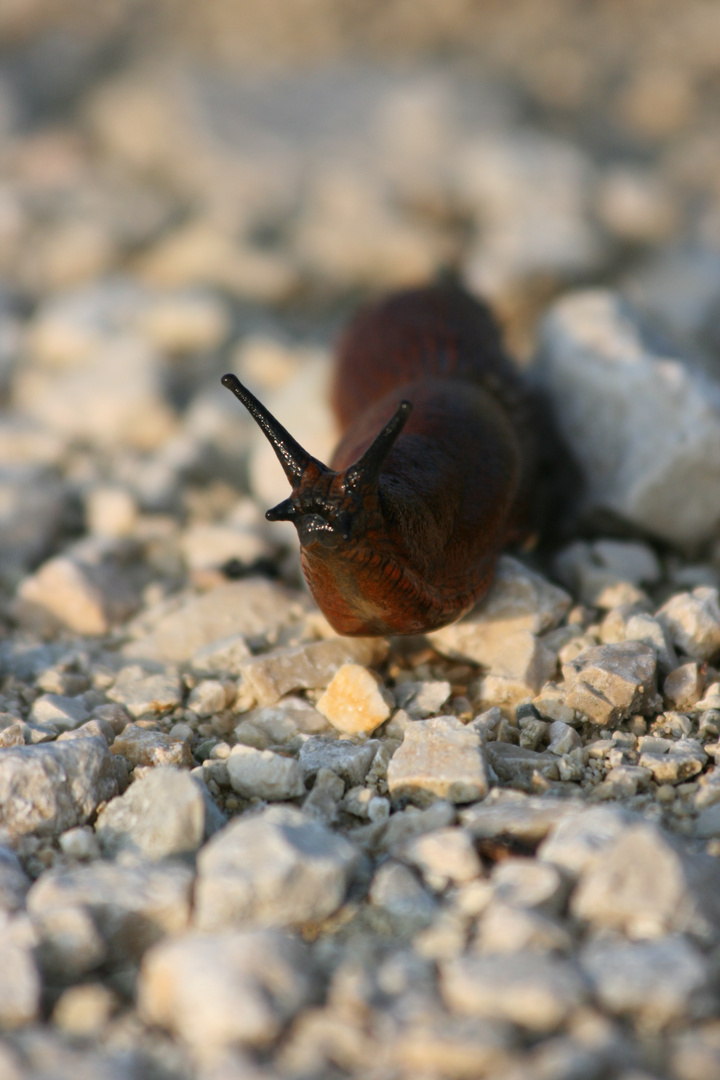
276, 868
620, 890
685, 760
62, 591
131, 907
443, 857
254, 607
307, 667
591, 569
68, 943
516, 765
111, 512
526, 819
209, 697
505, 928
528, 883
223, 657
50, 788
576, 841
535, 991
655, 982
65, 713
438, 759
20, 988
613, 386
519, 602
683, 687
142, 746
14, 882
354, 702
349, 760
231, 988
397, 893
83, 1011
139, 693
693, 622
162, 814
261, 774
610, 682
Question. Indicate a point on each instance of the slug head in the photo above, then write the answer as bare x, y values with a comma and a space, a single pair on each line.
327, 508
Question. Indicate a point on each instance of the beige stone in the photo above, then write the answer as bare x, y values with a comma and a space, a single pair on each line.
354, 703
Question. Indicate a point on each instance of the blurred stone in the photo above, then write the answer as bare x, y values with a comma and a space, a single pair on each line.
399, 895
620, 890
32, 511
185, 322
141, 746
131, 906
174, 633
110, 511
223, 657
656, 982
225, 989
141, 693
354, 702
422, 699
516, 765
208, 698
20, 987
83, 1011
14, 882
635, 205
527, 883
261, 774
69, 945
610, 682
69, 593
615, 387
528, 193
579, 839
511, 814
506, 929
535, 991
444, 856
48, 789
275, 868
684, 686
439, 759
162, 814
693, 622
591, 568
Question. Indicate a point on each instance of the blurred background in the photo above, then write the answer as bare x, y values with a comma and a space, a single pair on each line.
190, 187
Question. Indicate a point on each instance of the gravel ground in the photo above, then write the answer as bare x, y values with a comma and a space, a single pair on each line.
234, 846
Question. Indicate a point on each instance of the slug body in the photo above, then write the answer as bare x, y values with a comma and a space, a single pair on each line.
433, 475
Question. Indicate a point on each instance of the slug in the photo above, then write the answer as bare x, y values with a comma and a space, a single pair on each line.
435, 473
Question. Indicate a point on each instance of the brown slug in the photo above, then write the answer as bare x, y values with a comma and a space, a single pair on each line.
434, 474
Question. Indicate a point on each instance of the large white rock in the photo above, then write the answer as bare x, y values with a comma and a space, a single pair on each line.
642, 420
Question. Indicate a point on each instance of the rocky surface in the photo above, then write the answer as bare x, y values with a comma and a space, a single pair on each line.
234, 846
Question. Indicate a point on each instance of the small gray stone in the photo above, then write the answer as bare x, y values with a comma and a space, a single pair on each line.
164, 813
657, 982
397, 892
261, 774
422, 699
49, 788
621, 889
577, 840
515, 765
683, 687
69, 945
693, 622
439, 759
225, 989
563, 738
527, 883
281, 722
708, 822
349, 760
275, 868
322, 802
405, 825
141, 693
610, 682
142, 746
642, 627
685, 759
307, 667
131, 906
510, 814
532, 990
64, 713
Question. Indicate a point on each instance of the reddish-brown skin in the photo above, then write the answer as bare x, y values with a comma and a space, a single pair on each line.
415, 547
